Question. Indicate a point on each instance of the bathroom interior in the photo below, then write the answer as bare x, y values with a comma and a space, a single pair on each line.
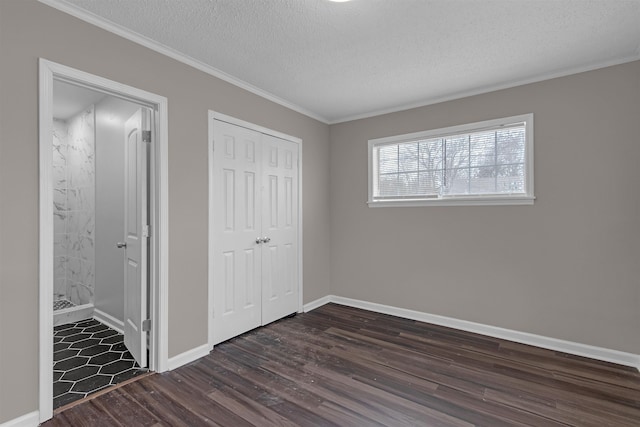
88, 185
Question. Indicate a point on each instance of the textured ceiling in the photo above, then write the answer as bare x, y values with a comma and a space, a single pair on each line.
338, 61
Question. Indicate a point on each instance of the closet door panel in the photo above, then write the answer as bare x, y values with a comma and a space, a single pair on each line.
236, 255
280, 227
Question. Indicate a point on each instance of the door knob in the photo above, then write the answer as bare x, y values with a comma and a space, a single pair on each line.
258, 240
121, 245
266, 239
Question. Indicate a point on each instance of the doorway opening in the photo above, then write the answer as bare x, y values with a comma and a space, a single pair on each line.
103, 274
91, 130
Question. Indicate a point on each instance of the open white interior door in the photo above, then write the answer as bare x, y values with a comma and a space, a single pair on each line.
136, 235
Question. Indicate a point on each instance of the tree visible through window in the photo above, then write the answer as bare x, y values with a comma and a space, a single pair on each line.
480, 160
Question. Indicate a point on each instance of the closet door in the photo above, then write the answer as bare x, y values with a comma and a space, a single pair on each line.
236, 254
279, 228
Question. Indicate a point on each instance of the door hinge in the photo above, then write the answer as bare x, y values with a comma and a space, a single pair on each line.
146, 136
145, 231
146, 325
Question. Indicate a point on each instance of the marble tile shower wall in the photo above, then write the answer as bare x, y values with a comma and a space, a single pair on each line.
74, 207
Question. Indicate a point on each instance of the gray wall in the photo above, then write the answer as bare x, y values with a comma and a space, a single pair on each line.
111, 114
567, 267
29, 30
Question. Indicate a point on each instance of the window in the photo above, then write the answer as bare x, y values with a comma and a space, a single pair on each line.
485, 163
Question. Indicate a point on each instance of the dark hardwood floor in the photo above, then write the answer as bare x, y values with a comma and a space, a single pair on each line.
339, 366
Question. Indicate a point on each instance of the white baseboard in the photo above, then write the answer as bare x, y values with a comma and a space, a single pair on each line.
188, 356
108, 320
32, 419
578, 349
317, 303
73, 314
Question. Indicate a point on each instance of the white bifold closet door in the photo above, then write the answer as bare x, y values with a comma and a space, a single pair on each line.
255, 229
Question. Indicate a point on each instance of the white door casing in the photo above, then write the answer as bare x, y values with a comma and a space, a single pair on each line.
236, 254
254, 246
280, 228
136, 235
158, 197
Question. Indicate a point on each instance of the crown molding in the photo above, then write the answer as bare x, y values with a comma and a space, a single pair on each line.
130, 35
66, 7
492, 88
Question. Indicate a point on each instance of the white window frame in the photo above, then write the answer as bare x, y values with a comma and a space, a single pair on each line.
459, 200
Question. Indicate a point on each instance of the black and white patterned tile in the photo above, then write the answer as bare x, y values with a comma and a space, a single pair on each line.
87, 357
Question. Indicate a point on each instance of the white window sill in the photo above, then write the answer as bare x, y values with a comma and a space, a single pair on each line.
455, 201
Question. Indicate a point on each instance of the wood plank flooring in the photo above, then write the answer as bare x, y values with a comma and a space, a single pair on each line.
340, 366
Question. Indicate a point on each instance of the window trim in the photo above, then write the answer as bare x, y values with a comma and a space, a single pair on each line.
459, 200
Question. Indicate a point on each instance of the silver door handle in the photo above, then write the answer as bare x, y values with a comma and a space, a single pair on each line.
121, 245
258, 240
263, 240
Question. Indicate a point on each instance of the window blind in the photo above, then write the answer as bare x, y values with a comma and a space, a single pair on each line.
488, 161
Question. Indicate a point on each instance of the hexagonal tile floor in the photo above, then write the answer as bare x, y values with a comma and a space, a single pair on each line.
88, 356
